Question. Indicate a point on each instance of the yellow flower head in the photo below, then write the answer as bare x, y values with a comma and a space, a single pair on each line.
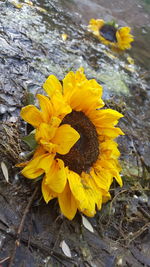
108, 34
76, 150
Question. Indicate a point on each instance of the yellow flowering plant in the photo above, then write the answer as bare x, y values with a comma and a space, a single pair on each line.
76, 151
110, 34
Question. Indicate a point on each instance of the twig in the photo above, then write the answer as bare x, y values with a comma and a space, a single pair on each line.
3, 260
138, 233
144, 212
20, 228
112, 202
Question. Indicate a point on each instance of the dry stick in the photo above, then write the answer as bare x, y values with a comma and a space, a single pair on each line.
20, 228
144, 212
3, 260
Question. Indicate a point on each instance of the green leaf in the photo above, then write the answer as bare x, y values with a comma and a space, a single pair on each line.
112, 23
29, 99
30, 140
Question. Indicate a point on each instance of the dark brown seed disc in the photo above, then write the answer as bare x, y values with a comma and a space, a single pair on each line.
86, 150
109, 33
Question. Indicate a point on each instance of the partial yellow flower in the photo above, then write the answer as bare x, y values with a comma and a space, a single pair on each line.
113, 36
76, 152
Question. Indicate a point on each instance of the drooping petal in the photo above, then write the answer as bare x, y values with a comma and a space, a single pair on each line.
38, 166
31, 115
56, 178
94, 193
65, 137
47, 193
77, 188
113, 169
103, 178
67, 203
82, 193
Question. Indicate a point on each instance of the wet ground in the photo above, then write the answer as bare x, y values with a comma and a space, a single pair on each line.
31, 48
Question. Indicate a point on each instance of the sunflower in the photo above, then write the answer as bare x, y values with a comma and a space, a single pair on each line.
76, 152
110, 34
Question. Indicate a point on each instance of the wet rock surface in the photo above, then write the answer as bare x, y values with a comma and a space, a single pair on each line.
31, 48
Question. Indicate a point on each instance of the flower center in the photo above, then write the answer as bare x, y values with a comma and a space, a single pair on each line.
109, 33
86, 150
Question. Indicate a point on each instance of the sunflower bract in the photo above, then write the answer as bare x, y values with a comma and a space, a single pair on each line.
76, 151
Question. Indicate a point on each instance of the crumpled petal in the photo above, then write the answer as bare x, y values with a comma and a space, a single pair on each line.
65, 138
38, 166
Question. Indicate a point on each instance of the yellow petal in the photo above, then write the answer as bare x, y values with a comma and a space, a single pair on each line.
105, 196
39, 151
49, 147
76, 88
52, 85
61, 108
124, 38
95, 25
31, 115
110, 132
64, 36
65, 138
124, 30
71, 81
56, 178
103, 178
91, 92
54, 90
22, 164
113, 168
38, 166
85, 196
77, 189
93, 193
46, 107
109, 148
106, 117
67, 203
45, 132
47, 193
